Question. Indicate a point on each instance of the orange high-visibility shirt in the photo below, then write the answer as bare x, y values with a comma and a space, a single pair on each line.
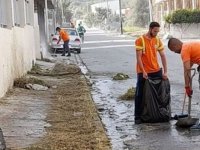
191, 52
149, 48
64, 35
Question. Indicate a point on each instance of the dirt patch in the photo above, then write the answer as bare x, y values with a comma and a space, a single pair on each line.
75, 124
129, 95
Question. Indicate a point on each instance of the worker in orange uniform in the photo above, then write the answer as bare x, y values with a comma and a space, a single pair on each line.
190, 54
65, 37
147, 47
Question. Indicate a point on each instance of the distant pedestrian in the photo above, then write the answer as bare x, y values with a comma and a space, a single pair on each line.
81, 31
65, 37
147, 48
190, 54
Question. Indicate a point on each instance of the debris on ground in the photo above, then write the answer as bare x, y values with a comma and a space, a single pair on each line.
63, 69
129, 95
120, 76
24, 81
36, 68
68, 109
58, 69
52, 60
36, 87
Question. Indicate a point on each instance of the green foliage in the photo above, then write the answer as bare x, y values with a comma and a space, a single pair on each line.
168, 18
183, 16
131, 29
66, 11
141, 13
102, 13
99, 17
89, 19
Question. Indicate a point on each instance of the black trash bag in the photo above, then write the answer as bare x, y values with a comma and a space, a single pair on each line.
156, 101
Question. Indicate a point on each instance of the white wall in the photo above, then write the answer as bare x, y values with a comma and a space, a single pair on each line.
37, 37
17, 51
185, 30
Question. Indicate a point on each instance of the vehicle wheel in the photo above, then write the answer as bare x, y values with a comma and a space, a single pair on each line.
53, 50
78, 51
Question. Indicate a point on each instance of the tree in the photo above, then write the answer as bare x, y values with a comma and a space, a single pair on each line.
102, 14
66, 10
65, 6
141, 13
89, 19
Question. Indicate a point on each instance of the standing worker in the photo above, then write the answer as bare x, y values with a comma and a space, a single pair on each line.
81, 31
147, 47
190, 54
65, 37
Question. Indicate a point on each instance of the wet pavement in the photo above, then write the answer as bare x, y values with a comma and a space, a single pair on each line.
118, 115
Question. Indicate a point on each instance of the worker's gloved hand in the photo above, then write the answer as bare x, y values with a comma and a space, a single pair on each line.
188, 91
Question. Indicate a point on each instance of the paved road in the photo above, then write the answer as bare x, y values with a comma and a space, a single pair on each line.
108, 54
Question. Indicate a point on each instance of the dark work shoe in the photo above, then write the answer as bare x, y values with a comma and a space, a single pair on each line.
68, 55
138, 121
63, 55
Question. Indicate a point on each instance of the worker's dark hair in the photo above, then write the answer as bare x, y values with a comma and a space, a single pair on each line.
154, 24
58, 28
171, 41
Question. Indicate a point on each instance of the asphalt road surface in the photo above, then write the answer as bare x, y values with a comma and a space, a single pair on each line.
106, 54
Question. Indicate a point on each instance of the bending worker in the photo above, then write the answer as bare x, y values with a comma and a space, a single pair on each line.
65, 37
190, 54
147, 47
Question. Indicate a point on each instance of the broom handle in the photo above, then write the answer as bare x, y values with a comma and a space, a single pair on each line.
189, 106
184, 103
190, 98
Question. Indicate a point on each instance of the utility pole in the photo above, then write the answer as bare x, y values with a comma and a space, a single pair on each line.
120, 16
150, 11
62, 12
46, 21
107, 12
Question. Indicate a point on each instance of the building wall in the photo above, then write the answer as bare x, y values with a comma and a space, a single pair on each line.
164, 7
22, 28
43, 39
17, 48
37, 37
185, 30
44, 46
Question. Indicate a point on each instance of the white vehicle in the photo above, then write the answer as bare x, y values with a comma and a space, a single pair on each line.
74, 43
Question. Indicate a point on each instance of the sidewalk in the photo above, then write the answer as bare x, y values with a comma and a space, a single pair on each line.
63, 117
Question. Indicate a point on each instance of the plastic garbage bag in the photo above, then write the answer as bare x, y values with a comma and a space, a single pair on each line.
156, 101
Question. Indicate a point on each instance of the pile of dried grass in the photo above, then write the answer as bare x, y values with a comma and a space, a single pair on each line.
120, 76
62, 68
129, 95
36, 68
59, 69
75, 124
23, 81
